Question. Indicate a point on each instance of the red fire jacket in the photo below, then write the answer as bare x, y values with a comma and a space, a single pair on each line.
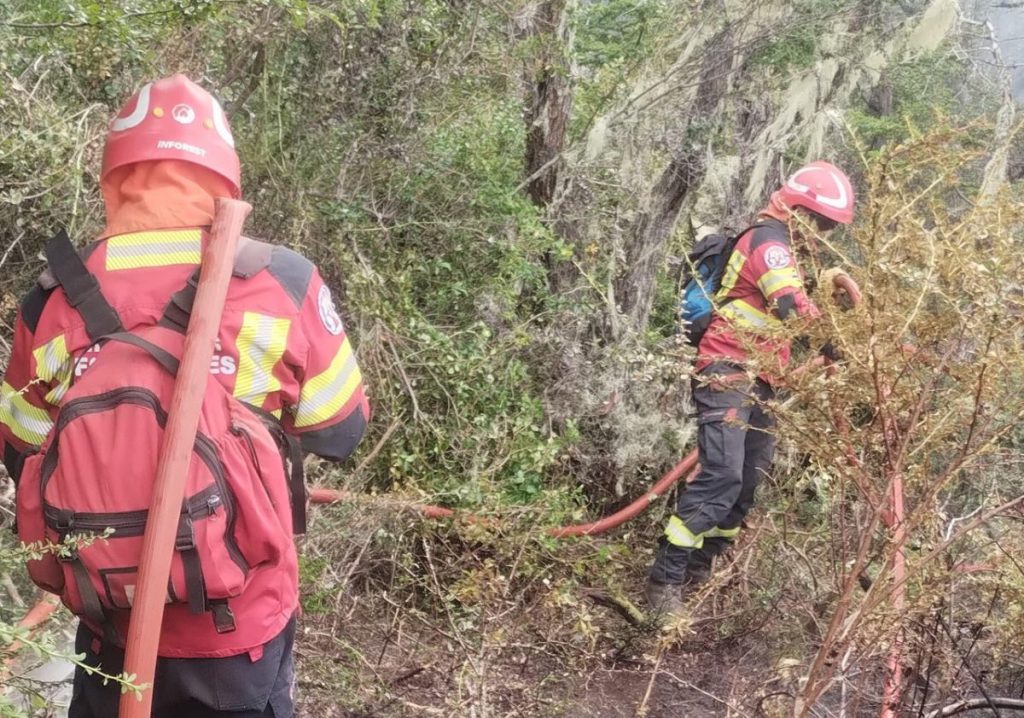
762, 286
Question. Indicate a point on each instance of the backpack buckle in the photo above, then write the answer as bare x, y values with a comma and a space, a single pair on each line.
223, 617
64, 522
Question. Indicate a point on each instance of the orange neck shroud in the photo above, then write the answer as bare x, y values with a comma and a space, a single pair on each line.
162, 194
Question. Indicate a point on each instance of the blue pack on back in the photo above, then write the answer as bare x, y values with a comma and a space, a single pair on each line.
702, 280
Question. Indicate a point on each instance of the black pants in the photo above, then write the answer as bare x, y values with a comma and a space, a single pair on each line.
193, 687
735, 444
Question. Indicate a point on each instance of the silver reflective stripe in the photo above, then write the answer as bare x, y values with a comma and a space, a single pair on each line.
29, 423
261, 344
736, 310
329, 392
148, 250
53, 364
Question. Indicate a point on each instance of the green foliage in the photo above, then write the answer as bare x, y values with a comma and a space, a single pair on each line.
39, 644
793, 50
926, 91
613, 38
612, 31
664, 321
461, 250
385, 140
349, 157
317, 597
793, 41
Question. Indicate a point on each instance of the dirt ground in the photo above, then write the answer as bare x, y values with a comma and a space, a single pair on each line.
361, 668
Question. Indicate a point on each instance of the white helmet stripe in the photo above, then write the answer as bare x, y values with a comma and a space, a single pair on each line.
841, 202
138, 115
221, 125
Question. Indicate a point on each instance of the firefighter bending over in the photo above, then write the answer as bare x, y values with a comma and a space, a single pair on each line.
762, 286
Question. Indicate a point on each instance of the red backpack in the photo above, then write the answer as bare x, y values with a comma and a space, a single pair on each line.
94, 472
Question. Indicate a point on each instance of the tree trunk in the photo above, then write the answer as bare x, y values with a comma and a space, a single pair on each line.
548, 93
644, 250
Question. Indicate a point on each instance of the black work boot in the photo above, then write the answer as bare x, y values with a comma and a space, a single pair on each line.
697, 574
699, 568
665, 580
665, 599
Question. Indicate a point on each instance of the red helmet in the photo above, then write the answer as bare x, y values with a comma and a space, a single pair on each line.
173, 119
821, 188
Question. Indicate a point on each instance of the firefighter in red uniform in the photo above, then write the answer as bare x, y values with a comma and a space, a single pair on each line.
281, 347
762, 287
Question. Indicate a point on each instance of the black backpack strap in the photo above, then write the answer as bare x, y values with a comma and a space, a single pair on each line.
167, 360
64, 523
185, 545
81, 288
735, 238
179, 308
223, 617
91, 600
730, 246
296, 483
291, 454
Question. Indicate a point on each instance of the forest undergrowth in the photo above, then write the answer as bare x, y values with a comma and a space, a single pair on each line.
512, 296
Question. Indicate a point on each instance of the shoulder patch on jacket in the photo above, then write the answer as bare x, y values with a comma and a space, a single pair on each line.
252, 257
292, 271
771, 230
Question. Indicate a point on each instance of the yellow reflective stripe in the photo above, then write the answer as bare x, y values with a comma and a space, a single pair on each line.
53, 365
775, 279
732, 275
261, 343
29, 423
717, 532
323, 396
154, 249
745, 314
678, 535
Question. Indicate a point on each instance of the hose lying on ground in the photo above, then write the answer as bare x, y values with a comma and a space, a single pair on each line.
333, 496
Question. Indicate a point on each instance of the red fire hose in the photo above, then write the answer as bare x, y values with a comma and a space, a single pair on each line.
841, 281
333, 496
30, 621
845, 282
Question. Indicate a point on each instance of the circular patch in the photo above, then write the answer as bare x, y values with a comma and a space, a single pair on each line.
328, 314
183, 114
776, 257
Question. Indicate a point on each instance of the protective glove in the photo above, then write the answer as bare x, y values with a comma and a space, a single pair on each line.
831, 352
827, 281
